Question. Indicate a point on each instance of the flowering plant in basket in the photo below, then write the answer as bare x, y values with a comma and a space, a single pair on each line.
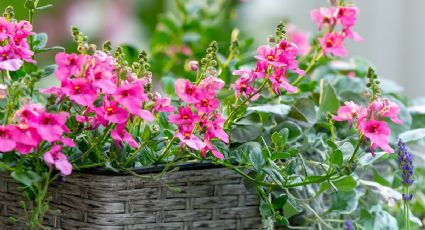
303, 127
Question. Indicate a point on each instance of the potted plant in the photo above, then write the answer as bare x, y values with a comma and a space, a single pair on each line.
287, 141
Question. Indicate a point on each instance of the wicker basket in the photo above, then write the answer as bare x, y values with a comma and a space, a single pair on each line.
210, 198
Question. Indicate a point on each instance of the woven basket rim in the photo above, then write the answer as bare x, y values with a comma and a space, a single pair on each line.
153, 169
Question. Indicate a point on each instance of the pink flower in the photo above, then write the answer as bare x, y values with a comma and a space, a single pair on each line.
27, 138
7, 142
112, 112
214, 129
55, 157
243, 84
324, 16
162, 104
3, 91
131, 96
386, 108
270, 55
9, 60
279, 81
333, 43
210, 147
93, 121
351, 111
184, 117
207, 103
50, 126
186, 91
211, 85
101, 72
80, 91
69, 65
378, 133
187, 137
299, 38
347, 16
121, 135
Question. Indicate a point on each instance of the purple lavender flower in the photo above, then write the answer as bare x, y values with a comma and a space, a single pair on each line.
405, 161
348, 225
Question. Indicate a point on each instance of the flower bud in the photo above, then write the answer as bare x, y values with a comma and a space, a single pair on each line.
193, 65
3, 91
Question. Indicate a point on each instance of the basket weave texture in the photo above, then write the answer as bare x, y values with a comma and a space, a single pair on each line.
212, 198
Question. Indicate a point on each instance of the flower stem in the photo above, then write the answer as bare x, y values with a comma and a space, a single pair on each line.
406, 209
166, 150
318, 54
356, 149
234, 112
99, 141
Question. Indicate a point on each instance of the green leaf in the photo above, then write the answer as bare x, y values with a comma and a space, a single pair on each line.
378, 219
278, 110
337, 158
16, 75
40, 40
131, 54
294, 131
344, 184
291, 208
49, 70
413, 135
275, 175
26, 178
280, 201
255, 154
344, 202
53, 48
304, 110
244, 133
244, 151
328, 102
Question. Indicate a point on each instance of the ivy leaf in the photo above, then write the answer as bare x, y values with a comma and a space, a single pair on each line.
26, 178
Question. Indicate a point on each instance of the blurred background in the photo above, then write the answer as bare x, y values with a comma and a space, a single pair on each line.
393, 31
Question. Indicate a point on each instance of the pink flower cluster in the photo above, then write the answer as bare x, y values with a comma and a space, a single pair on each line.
333, 42
273, 62
370, 121
199, 115
89, 78
14, 49
36, 126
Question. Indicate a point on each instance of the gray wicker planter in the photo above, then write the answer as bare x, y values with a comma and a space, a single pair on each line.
210, 198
